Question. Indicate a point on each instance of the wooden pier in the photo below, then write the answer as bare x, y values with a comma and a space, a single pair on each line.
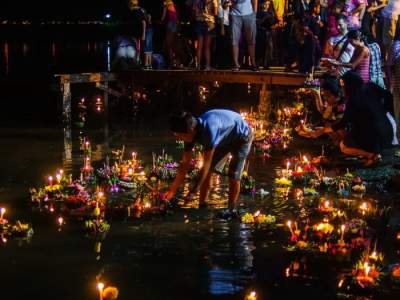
265, 78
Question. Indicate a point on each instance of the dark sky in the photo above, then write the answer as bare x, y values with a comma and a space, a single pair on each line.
70, 9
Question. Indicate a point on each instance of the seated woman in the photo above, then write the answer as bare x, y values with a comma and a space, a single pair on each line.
330, 105
366, 115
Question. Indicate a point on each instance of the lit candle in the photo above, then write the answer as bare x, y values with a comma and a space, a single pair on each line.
134, 156
342, 228
364, 207
252, 296
58, 176
367, 268
60, 222
2, 212
100, 287
50, 180
287, 166
289, 224
61, 172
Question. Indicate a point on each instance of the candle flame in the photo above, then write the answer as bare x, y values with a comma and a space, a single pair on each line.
100, 286
60, 220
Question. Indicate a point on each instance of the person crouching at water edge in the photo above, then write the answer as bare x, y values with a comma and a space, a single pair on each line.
220, 132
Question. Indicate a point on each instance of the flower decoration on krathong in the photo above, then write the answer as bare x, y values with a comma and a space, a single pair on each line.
366, 274
258, 218
110, 293
301, 171
97, 228
395, 274
164, 167
17, 230
248, 184
324, 228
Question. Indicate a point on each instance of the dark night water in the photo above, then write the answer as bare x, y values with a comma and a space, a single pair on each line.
189, 254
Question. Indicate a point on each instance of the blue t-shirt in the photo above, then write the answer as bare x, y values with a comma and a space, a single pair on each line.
220, 128
241, 8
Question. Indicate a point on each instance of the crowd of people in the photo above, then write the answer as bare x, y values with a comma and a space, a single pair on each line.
356, 41
299, 34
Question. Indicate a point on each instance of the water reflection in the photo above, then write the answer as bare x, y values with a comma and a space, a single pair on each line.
231, 258
6, 58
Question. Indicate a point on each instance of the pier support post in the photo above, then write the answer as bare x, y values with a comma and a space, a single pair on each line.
67, 118
265, 97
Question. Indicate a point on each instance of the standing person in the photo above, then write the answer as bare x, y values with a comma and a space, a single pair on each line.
148, 44
332, 23
138, 15
220, 132
389, 17
354, 11
223, 41
360, 60
205, 12
243, 14
266, 18
170, 17
369, 22
375, 65
393, 75
338, 47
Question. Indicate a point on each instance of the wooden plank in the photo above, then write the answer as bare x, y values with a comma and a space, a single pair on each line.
275, 76
262, 77
87, 77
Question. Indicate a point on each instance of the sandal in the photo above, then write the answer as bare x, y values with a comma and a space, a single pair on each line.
376, 158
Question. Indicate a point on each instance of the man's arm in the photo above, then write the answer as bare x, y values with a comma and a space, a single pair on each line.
208, 156
255, 5
180, 175
143, 30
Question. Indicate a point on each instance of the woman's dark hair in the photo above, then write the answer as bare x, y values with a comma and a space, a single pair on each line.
354, 34
353, 85
182, 122
332, 85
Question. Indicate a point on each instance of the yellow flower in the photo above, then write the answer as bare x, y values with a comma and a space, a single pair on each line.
96, 212
247, 218
283, 181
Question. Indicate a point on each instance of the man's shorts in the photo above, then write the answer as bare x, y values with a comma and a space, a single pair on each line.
148, 42
239, 153
250, 29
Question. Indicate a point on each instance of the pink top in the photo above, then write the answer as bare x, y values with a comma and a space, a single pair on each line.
171, 14
363, 69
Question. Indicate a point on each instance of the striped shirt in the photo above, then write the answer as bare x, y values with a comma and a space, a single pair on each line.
375, 66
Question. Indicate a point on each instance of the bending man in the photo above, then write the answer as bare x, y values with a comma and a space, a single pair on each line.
220, 132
